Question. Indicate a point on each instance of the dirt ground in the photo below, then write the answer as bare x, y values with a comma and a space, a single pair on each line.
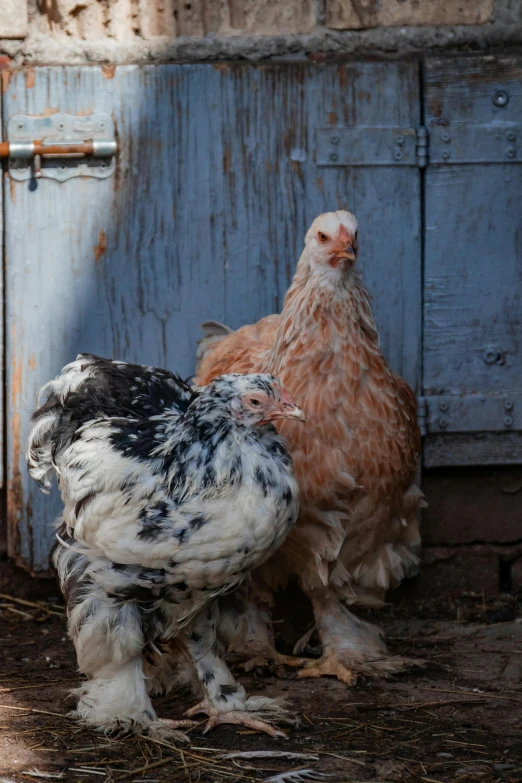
457, 719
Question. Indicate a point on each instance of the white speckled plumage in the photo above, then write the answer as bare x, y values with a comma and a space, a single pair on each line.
171, 496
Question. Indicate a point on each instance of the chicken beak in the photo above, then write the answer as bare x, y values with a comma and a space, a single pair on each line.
346, 247
296, 413
285, 408
287, 412
347, 252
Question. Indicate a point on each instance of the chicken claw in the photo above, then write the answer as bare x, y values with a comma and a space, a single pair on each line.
328, 664
347, 672
272, 660
165, 729
159, 728
251, 720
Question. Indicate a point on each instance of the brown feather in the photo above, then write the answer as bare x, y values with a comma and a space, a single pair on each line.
357, 455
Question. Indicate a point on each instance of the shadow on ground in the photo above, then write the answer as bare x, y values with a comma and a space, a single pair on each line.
459, 719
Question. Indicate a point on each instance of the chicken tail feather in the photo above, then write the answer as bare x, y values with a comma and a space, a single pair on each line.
46, 420
213, 333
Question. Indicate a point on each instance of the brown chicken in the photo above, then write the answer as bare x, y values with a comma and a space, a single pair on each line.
357, 534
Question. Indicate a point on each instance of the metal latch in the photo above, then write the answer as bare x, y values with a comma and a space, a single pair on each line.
60, 146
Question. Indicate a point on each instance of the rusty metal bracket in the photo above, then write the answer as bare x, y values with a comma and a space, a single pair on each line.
60, 146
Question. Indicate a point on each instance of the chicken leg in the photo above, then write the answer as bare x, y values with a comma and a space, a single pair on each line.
257, 649
350, 645
225, 700
109, 646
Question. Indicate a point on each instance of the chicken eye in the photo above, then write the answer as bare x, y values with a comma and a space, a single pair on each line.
254, 402
322, 237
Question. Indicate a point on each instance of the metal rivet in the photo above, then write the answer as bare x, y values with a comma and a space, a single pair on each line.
443, 405
334, 156
443, 422
508, 421
446, 137
102, 125
334, 139
500, 98
445, 154
511, 152
398, 155
491, 355
511, 136
399, 139
20, 126
508, 405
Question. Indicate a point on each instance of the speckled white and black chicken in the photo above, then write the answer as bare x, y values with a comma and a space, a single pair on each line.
171, 496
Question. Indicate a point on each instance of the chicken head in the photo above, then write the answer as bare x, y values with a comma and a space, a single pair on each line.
331, 242
259, 400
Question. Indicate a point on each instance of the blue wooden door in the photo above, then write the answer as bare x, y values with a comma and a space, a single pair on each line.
472, 358
221, 169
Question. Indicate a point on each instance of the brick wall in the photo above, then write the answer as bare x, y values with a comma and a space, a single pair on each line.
123, 20
133, 30
359, 14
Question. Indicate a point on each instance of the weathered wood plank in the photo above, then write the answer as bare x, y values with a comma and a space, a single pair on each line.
473, 274
216, 184
486, 448
3, 516
386, 201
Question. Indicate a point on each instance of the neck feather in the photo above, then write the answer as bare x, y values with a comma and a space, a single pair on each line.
322, 316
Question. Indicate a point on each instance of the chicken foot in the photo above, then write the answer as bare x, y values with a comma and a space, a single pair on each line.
350, 645
225, 700
250, 716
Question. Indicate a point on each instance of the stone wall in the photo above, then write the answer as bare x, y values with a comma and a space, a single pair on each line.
74, 31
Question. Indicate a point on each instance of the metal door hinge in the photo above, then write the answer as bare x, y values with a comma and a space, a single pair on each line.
470, 413
422, 147
476, 143
60, 146
372, 146
422, 415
